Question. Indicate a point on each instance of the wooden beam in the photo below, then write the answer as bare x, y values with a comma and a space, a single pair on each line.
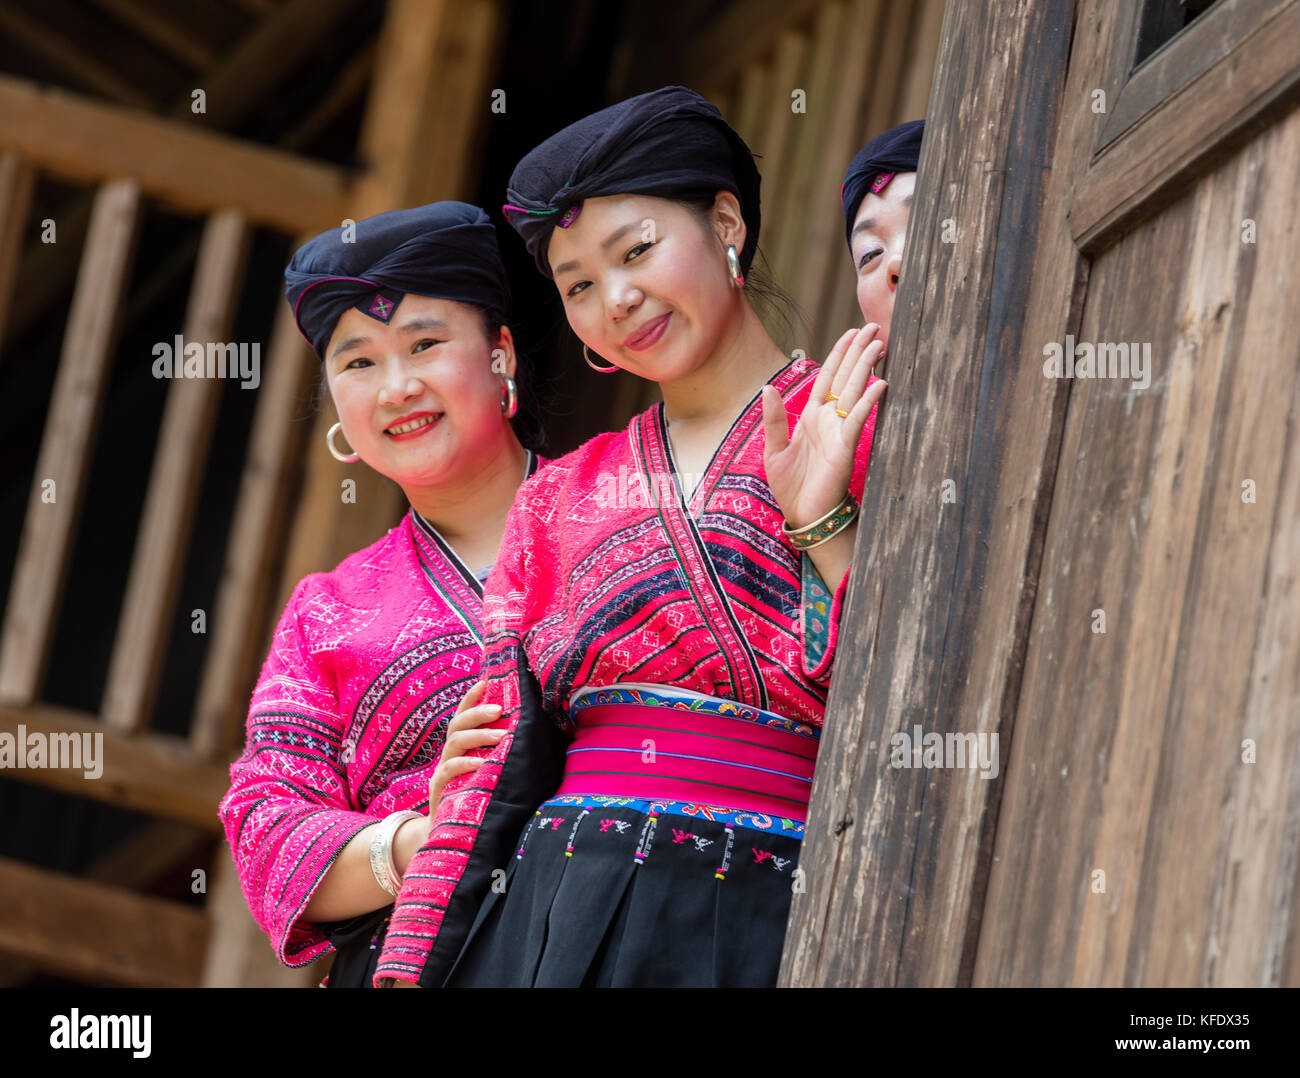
170, 35
16, 180
93, 932
934, 630
1224, 95
136, 863
82, 66
272, 49
153, 773
236, 637
63, 467
192, 170
179, 463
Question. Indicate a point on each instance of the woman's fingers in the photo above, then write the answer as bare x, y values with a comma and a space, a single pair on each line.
776, 422
858, 415
856, 382
472, 697
462, 741
861, 341
826, 373
473, 717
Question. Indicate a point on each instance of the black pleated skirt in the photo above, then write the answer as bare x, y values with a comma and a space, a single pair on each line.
617, 892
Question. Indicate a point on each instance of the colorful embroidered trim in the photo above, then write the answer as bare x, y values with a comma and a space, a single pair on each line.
629, 692
815, 611
753, 821
819, 531
881, 182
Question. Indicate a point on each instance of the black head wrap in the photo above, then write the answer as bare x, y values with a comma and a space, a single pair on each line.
447, 250
896, 150
670, 143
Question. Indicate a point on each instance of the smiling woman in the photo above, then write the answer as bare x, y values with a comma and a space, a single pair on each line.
680, 647
357, 721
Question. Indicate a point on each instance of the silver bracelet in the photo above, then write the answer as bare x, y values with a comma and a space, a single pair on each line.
381, 849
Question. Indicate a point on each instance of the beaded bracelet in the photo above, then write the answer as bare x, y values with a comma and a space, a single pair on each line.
819, 531
381, 850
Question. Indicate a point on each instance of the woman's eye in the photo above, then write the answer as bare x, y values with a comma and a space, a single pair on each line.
867, 256
574, 289
637, 250
425, 345
353, 363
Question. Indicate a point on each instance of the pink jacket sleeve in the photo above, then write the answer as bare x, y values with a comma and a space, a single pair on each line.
288, 813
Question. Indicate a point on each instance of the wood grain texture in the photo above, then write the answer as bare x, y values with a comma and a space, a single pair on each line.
153, 773
191, 170
893, 857
1131, 742
180, 459
1182, 135
68, 441
17, 178
97, 933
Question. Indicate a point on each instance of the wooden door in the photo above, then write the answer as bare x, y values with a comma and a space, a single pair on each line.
1100, 571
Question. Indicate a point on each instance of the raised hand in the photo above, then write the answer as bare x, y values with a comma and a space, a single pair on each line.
809, 470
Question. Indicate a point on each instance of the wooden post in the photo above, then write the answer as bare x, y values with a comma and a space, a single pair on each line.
179, 463
946, 561
63, 466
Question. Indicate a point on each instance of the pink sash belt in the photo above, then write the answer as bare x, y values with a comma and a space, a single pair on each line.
661, 742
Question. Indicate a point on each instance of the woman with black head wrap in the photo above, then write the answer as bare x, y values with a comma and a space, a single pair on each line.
663, 620
359, 695
877, 201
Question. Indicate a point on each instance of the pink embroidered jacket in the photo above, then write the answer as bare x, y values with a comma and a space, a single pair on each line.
366, 668
604, 577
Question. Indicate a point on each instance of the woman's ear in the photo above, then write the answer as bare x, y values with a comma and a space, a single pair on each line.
504, 360
727, 220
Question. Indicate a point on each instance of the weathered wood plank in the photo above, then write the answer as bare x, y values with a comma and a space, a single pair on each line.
236, 637
1185, 58
63, 467
820, 85
740, 36
16, 180
95, 932
179, 463
153, 773
192, 170
1155, 158
938, 604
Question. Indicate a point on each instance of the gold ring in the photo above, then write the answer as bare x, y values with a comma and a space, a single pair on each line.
842, 415
831, 397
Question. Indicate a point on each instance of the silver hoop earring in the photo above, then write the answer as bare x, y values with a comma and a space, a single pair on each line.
329, 441
509, 398
733, 267
599, 370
